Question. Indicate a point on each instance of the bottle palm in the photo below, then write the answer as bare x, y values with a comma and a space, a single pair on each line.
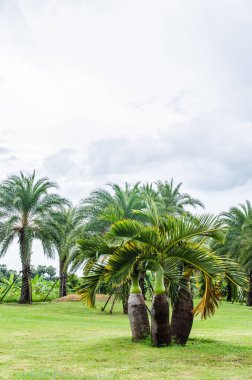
171, 240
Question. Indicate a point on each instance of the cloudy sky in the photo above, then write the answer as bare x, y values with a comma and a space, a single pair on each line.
98, 91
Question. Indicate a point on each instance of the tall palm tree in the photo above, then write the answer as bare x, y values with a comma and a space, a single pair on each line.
25, 206
66, 225
103, 208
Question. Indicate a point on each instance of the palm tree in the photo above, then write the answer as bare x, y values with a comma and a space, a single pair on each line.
66, 226
246, 255
25, 206
102, 208
238, 242
172, 201
171, 241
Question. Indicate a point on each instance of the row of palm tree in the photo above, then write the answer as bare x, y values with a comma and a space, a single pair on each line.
122, 236
30, 210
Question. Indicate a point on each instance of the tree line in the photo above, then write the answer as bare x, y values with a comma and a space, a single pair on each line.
128, 237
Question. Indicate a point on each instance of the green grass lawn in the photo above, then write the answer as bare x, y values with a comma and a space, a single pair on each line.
69, 341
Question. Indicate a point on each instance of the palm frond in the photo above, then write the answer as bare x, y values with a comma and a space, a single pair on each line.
122, 262
210, 300
91, 283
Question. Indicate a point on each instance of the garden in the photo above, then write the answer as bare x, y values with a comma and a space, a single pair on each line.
166, 290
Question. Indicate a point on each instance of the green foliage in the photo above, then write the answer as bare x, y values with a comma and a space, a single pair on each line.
238, 242
49, 272
102, 208
5, 272
171, 241
40, 287
9, 283
172, 201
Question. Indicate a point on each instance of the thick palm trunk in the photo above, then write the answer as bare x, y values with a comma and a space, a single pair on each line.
160, 326
137, 312
26, 290
182, 316
249, 295
139, 322
63, 280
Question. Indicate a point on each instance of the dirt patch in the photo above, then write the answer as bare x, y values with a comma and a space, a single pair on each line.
77, 298
102, 297
69, 298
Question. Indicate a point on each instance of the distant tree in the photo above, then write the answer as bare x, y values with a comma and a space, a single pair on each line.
102, 208
5, 272
67, 226
40, 270
172, 201
51, 272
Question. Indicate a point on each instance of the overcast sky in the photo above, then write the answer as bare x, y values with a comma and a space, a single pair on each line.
98, 91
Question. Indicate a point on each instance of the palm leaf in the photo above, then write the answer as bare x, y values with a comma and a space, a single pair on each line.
210, 300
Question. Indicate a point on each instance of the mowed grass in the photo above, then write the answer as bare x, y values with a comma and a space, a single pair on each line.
70, 341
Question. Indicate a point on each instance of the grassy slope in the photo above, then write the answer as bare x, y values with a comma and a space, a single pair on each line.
68, 341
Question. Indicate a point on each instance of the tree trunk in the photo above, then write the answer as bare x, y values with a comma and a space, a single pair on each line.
125, 306
63, 280
142, 284
249, 295
229, 291
125, 297
182, 316
26, 290
160, 327
139, 321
